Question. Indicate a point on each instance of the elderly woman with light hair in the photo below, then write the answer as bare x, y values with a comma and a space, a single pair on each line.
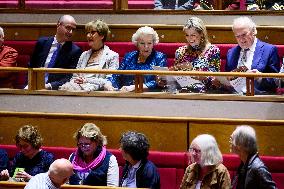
252, 173
206, 170
197, 55
93, 164
98, 57
144, 58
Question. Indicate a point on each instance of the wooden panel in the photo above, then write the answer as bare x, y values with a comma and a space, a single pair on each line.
270, 139
59, 131
167, 33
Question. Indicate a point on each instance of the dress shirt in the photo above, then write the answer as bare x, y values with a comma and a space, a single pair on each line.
249, 56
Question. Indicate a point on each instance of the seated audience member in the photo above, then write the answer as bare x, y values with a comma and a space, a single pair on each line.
4, 162
92, 163
58, 174
184, 4
142, 59
8, 57
252, 55
206, 169
98, 57
57, 52
267, 4
198, 55
241, 5
138, 171
252, 173
31, 158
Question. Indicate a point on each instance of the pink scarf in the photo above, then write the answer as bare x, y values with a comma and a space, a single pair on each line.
80, 165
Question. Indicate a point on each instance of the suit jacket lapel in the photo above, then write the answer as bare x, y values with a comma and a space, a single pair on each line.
235, 57
102, 60
257, 54
46, 49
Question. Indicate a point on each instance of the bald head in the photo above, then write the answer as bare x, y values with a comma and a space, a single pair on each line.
60, 171
65, 27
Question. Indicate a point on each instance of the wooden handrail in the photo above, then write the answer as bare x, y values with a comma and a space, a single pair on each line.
21, 185
146, 72
138, 118
36, 75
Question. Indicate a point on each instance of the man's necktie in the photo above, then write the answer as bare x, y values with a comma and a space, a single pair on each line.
244, 57
52, 60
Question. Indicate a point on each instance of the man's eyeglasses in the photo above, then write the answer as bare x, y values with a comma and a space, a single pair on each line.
68, 28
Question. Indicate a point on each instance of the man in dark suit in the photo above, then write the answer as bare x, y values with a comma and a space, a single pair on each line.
57, 52
253, 54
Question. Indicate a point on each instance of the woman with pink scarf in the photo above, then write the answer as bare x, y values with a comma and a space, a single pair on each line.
92, 163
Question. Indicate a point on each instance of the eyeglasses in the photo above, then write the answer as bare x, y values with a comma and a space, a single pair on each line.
197, 151
91, 32
68, 27
84, 145
243, 35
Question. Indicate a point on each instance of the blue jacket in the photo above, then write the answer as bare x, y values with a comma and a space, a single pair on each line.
4, 160
96, 176
67, 58
265, 60
129, 62
147, 175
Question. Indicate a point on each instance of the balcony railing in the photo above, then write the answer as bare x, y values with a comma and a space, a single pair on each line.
36, 76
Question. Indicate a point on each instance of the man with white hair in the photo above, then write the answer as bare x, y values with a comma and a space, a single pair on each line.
57, 52
252, 173
8, 58
252, 55
58, 174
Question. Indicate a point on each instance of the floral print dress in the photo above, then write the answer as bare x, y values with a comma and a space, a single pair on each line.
189, 59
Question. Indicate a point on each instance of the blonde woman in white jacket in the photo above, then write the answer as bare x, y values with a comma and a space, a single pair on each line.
98, 57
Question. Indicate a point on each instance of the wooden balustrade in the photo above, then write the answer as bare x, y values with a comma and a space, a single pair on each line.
21, 185
36, 75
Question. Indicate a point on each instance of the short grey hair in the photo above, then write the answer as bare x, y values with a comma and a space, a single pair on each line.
245, 137
244, 21
146, 30
1, 32
210, 153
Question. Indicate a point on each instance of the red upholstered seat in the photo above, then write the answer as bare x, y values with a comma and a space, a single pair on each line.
25, 49
171, 165
78, 4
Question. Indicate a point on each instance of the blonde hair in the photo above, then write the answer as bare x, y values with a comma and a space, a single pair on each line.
199, 26
91, 131
30, 134
100, 26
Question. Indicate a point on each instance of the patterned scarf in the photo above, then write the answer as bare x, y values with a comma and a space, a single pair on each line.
80, 165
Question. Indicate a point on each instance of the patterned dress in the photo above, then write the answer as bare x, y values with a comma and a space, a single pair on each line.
130, 62
188, 59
